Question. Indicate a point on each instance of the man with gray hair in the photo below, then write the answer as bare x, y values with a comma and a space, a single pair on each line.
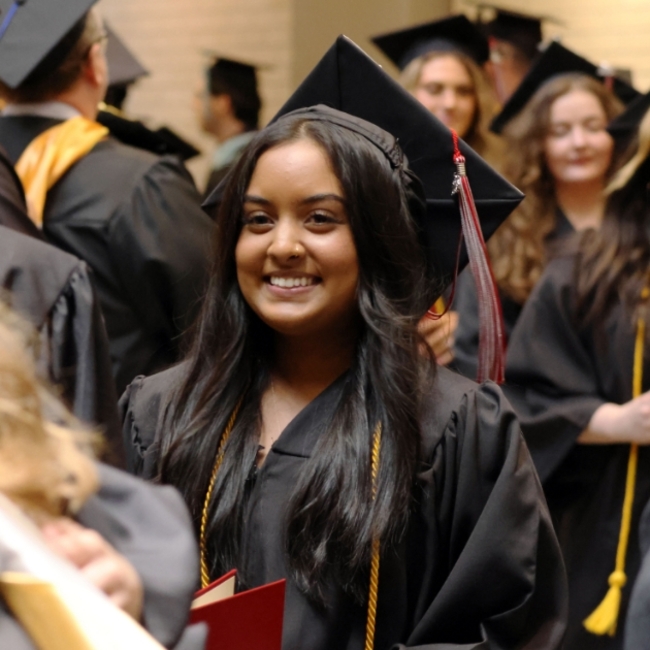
134, 217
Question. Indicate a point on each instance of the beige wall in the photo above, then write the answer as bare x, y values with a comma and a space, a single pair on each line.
616, 32
286, 36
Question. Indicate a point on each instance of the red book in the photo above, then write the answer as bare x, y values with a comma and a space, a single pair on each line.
250, 619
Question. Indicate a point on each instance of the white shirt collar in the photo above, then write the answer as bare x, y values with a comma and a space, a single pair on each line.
54, 110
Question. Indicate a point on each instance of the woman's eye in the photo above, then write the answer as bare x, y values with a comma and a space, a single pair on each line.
257, 219
558, 131
321, 218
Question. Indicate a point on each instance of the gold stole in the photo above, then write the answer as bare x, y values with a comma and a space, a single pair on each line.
50, 155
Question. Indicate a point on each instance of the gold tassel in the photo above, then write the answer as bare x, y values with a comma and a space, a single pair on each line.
604, 618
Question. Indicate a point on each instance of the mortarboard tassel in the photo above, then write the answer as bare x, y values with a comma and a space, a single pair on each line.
491, 360
604, 618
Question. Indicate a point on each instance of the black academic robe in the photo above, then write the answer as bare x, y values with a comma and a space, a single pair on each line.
53, 291
557, 376
135, 218
466, 339
478, 567
637, 625
13, 209
148, 525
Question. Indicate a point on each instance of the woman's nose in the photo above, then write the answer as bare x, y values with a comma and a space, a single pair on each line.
286, 244
578, 136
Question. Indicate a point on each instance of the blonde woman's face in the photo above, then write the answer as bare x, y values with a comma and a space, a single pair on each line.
446, 89
578, 148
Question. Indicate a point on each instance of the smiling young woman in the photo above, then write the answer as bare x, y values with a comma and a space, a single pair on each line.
345, 459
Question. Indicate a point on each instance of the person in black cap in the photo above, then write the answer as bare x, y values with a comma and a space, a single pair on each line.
560, 156
578, 357
124, 70
514, 39
228, 106
441, 64
309, 424
134, 218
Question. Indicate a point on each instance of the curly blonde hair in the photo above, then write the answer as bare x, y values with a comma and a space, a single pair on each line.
518, 248
479, 137
45, 468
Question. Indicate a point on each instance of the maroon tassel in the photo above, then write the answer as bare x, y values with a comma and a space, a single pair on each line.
491, 357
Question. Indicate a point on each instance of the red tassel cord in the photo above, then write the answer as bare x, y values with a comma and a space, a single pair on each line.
491, 361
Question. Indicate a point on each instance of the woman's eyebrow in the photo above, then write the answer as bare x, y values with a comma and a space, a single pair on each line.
322, 197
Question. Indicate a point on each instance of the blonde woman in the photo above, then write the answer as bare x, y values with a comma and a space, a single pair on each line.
107, 524
561, 156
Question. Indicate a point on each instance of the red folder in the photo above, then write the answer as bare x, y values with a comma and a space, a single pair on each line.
249, 620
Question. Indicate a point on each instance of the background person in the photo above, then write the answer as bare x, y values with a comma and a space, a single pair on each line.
560, 156
133, 217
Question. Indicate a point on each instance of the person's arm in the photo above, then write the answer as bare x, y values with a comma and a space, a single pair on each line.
150, 526
161, 238
619, 423
501, 580
550, 372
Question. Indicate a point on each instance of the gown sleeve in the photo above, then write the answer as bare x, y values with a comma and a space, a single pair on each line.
551, 377
493, 560
161, 236
79, 359
150, 526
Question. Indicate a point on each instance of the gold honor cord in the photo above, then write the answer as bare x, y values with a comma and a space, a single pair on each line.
604, 618
374, 560
373, 591
205, 572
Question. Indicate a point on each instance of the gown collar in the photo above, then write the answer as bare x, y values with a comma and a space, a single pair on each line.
300, 436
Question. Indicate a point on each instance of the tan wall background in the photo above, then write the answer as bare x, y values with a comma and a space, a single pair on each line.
287, 36
616, 32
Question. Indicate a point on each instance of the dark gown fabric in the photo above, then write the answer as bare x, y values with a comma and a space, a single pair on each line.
466, 305
478, 567
637, 626
557, 376
135, 219
53, 291
13, 209
148, 525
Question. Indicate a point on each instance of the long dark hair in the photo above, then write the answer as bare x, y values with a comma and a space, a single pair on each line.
614, 263
332, 517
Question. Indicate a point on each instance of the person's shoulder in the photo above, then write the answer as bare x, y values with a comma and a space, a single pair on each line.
36, 273
145, 397
126, 158
457, 404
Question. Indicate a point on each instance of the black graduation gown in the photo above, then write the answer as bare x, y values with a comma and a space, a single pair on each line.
557, 376
135, 218
466, 305
479, 565
13, 209
148, 525
637, 625
53, 291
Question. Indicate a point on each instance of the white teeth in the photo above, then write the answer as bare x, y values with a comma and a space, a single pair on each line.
290, 283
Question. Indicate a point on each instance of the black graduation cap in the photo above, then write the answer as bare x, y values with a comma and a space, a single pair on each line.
453, 34
522, 30
347, 79
162, 141
555, 60
624, 127
30, 29
123, 66
230, 75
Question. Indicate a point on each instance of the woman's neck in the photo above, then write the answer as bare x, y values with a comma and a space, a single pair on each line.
583, 204
308, 365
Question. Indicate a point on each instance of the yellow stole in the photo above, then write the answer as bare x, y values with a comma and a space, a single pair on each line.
50, 155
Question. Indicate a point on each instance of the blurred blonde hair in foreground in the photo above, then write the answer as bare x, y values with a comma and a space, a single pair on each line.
46, 465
